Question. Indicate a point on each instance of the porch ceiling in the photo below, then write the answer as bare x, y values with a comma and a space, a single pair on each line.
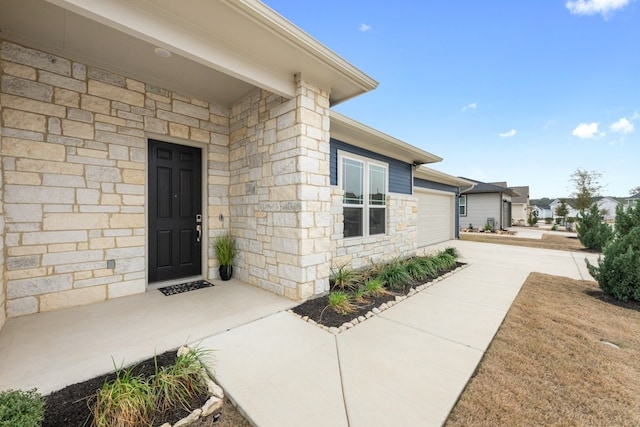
220, 50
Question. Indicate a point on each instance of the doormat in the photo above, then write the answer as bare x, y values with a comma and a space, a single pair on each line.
185, 287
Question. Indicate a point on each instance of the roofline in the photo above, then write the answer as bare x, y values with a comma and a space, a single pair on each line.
292, 33
355, 133
423, 172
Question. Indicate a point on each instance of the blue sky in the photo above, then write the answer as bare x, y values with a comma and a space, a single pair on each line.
523, 91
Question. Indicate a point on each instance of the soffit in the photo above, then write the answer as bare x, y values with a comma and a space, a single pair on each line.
220, 49
355, 133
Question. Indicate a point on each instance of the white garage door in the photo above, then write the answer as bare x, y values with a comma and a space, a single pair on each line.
436, 217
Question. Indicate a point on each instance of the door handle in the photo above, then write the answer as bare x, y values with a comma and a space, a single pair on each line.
199, 230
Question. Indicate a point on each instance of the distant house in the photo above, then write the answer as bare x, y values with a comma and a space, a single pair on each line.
572, 212
520, 207
542, 212
607, 207
633, 200
486, 203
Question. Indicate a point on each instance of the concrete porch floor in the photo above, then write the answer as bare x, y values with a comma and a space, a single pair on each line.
54, 349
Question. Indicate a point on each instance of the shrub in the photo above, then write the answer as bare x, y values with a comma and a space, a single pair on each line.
627, 219
20, 408
431, 269
395, 276
127, 401
178, 384
592, 232
375, 287
618, 274
415, 269
339, 302
343, 277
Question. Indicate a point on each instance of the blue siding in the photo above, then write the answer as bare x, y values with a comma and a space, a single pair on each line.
399, 172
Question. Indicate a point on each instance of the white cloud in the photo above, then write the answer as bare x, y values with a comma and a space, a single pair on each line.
586, 130
364, 27
508, 134
623, 126
471, 106
592, 7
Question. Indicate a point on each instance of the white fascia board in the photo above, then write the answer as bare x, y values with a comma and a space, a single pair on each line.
355, 133
429, 174
138, 22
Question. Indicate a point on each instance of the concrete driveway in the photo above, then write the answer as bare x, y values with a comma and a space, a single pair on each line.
404, 367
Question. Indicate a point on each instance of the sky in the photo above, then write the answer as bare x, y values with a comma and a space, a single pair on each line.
523, 91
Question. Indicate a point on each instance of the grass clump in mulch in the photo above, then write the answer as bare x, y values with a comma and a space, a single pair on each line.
355, 293
554, 361
165, 388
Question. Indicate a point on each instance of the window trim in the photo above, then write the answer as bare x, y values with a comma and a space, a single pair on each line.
366, 205
462, 205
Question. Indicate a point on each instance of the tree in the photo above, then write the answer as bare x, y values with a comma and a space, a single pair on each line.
562, 210
586, 186
634, 190
592, 232
532, 218
618, 273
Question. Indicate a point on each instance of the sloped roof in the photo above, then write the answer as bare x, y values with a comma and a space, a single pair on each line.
433, 175
635, 196
523, 192
485, 187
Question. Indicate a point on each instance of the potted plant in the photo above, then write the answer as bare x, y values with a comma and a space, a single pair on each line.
225, 247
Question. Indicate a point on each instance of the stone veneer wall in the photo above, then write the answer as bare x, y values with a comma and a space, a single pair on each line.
400, 241
74, 154
279, 194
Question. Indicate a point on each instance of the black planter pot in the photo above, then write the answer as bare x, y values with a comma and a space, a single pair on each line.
226, 271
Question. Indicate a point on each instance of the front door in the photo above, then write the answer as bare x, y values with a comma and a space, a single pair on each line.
175, 211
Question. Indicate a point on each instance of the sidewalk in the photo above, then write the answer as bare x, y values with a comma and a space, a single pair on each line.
404, 367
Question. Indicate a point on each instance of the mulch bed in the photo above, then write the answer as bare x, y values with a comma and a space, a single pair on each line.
318, 309
630, 305
71, 406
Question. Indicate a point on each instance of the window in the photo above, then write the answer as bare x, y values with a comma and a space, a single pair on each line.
364, 214
462, 203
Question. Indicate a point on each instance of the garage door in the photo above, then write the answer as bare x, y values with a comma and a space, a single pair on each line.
436, 216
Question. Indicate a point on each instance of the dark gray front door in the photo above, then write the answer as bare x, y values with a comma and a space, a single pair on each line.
175, 211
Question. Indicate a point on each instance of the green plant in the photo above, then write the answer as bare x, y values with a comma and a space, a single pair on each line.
395, 276
343, 277
127, 401
446, 260
626, 219
592, 232
618, 273
340, 303
20, 408
178, 384
416, 269
360, 294
532, 218
454, 252
431, 269
488, 227
225, 247
375, 287
554, 227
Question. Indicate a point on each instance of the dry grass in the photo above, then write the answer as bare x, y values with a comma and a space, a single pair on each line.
548, 366
548, 241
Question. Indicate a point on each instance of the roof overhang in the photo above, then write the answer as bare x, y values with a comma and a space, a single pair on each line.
355, 133
220, 50
432, 175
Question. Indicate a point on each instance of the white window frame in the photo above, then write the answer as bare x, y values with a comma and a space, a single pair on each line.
367, 162
461, 204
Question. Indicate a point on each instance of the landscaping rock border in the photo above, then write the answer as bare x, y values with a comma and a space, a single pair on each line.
377, 310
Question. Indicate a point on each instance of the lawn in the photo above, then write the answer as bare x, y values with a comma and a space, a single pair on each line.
549, 363
548, 241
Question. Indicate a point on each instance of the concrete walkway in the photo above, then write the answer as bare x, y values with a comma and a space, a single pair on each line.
404, 367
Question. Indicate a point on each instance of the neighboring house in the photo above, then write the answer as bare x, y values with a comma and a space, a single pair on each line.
520, 207
633, 200
486, 203
607, 207
571, 211
543, 212
133, 134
